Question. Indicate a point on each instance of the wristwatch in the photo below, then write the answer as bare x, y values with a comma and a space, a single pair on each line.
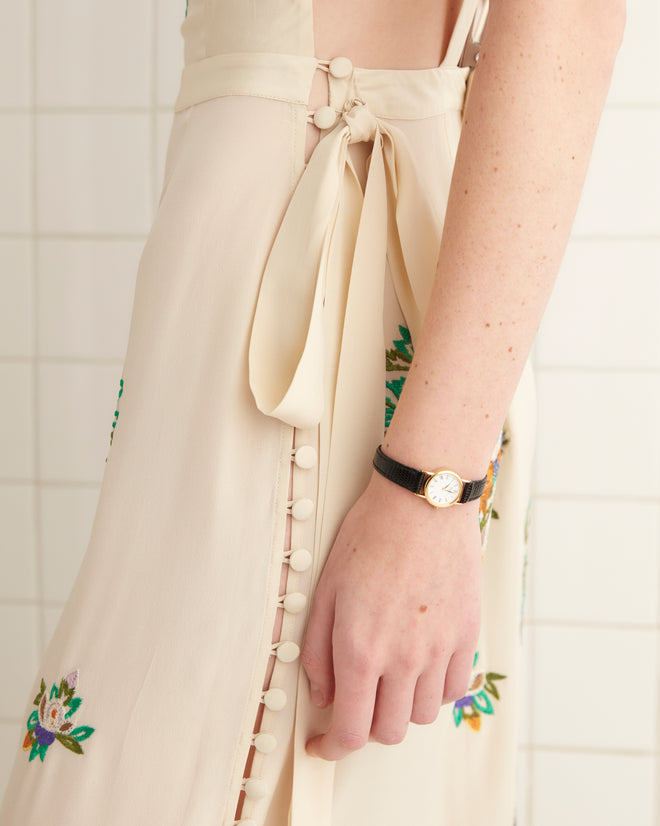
441, 488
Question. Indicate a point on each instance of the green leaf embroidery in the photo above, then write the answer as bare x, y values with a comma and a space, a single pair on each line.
37, 699
82, 732
69, 742
74, 705
33, 719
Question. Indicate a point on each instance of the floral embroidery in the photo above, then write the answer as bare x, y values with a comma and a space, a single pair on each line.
52, 720
477, 702
398, 359
114, 421
486, 509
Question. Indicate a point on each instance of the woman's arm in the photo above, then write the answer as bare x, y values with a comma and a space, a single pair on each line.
528, 133
395, 618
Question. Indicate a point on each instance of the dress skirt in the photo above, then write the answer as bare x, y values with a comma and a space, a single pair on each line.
277, 305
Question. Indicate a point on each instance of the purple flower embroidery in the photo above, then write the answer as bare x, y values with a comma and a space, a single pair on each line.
52, 719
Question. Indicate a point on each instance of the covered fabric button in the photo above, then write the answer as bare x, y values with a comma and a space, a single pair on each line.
305, 457
275, 699
325, 117
287, 651
300, 560
302, 509
255, 788
294, 603
265, 742
340, 67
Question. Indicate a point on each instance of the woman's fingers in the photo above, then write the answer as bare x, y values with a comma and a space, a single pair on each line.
394, 702
356, 681
316, 655
429, 692
459, 672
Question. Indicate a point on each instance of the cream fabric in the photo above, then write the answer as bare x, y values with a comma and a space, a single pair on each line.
266, 294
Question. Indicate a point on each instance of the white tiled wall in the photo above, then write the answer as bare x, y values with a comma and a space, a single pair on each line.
591, 737
86, 92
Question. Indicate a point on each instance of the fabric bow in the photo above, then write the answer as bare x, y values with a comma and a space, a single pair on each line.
329, 259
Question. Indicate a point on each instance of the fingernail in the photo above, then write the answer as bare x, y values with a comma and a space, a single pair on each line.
317, 696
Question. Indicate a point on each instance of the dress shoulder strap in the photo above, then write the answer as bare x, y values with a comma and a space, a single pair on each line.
469, 23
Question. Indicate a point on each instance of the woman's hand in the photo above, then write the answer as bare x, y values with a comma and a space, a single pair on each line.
395, 617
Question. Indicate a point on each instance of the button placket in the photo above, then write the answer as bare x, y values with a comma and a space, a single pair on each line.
279, 705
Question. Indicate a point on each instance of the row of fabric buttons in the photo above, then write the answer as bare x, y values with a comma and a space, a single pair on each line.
286, 651
325, 117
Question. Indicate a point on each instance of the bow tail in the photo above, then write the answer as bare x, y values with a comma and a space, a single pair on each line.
286, 343
356, 426
414, 233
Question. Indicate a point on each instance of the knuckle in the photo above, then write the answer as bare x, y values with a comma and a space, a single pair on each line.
410, 659
360, 655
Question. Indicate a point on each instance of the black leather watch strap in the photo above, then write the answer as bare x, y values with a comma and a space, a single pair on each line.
408, 477
414, 480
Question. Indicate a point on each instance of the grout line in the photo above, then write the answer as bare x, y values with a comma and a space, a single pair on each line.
38, 526
594, 625
153, 120
26, 602
84, 110
53, 483
587, 750
590, 498
63, 360
656, 785
73, 236
615, 238
600, 369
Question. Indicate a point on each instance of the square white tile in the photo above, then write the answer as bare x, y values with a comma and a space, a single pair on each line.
595, 688
17, 421
16, 173
604, 309
77, 404
66, 523
636, 78
18, 550
596, 561
19, 651
15, 55
85, 297
622, 190
16, 314
593, 790
11, 740
598, 434
93, 54
93, 173
169, 17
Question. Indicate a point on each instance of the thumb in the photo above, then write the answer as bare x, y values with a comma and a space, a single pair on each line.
316, 654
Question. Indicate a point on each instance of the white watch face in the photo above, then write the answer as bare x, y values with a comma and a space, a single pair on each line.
443, 488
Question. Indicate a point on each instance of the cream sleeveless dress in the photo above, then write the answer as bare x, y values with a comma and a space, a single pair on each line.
276, 310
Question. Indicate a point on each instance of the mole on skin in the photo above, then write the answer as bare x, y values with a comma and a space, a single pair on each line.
422, 608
